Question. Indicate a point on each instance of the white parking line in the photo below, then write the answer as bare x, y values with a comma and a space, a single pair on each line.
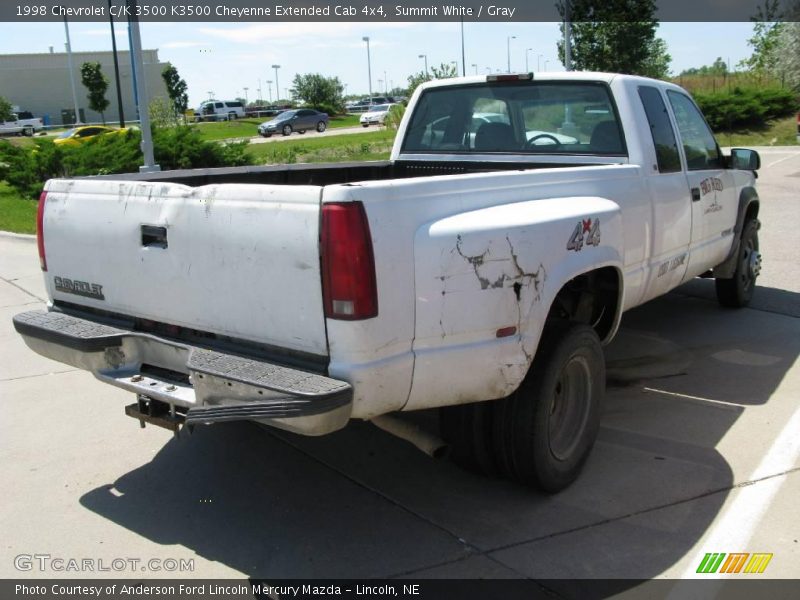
733, 531
796, 155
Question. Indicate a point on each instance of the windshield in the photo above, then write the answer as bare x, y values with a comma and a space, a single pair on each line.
517, 118
67, 133
380, 108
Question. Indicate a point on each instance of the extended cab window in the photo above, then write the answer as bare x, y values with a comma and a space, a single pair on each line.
699, 144
516, 118
669, 161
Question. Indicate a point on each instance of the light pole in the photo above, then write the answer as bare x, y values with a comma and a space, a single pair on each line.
245, 96
260, 99
538, 64
269, 89
72, 75
475, 66
508, 50
425, 56
277, 87
369, 68
116, 68
545, 63
385, 84
526, 58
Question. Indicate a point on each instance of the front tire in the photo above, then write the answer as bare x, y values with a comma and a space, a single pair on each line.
321, 126
287, 130
365, 124
544, 432
737, 291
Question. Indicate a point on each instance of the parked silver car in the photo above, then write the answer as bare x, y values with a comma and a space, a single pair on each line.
299, 120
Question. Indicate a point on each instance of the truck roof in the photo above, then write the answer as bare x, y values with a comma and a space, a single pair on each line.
551, 76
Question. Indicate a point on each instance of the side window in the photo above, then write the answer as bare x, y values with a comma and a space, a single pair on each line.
698, 141
667, 155
218, 105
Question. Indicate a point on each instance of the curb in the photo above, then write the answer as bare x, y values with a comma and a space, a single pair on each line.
20, 236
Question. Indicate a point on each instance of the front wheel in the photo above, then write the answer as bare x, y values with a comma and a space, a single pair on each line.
737, 291
287, 130
321, 126
544, 432
365, 124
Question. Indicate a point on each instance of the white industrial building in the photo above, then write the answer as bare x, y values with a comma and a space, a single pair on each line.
39, 83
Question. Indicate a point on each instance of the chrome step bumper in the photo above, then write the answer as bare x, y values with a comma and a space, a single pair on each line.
220, 387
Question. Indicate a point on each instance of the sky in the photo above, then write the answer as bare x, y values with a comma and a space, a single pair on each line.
224, 58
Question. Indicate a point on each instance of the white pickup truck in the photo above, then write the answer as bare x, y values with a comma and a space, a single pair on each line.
479, 270
21, 124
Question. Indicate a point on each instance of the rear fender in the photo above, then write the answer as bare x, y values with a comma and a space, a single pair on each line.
485, 281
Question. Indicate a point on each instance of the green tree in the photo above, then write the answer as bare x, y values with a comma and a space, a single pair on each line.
719, 68
443, 71
766, 34
96, 84
618, 36
5, 109
176, 90
317, 91
788, 63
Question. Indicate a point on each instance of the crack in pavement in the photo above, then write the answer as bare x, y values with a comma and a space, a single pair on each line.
21, 289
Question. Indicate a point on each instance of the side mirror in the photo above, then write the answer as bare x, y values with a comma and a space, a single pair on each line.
745, 160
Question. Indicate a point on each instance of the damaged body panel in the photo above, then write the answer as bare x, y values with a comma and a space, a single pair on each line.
493, 270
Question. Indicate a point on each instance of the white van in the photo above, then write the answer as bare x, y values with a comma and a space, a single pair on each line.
219, 110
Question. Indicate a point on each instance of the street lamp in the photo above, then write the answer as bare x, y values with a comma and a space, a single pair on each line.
526, 58
260, 100
545, 63
245, 96
475, 66
425, 56
508, 50
269, 89
277, 87
210, 95
369, 68
537, 62
385, 84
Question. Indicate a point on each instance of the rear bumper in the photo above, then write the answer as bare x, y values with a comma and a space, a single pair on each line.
214, 386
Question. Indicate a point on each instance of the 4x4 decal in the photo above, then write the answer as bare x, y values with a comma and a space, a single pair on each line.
587, 231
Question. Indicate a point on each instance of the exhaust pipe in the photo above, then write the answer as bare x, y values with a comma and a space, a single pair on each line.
430, 444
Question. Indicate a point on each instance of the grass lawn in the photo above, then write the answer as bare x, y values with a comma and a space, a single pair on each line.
17, 214
781, 132
246, 128
374, 145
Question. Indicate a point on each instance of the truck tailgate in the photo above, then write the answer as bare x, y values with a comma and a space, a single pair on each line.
232, 259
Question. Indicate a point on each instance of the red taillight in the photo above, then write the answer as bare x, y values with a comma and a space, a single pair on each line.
349, 291
40, 230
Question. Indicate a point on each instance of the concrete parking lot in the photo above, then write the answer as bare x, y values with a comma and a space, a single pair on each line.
698, 452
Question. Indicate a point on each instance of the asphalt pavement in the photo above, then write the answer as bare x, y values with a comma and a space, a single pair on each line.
698, 453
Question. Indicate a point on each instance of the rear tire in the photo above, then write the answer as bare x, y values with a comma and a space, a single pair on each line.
544, 432
467, 428
737, 291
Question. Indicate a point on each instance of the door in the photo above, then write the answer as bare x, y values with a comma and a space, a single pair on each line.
710, 185
672, 211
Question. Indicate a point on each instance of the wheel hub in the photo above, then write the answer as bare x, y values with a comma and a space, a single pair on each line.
754, 264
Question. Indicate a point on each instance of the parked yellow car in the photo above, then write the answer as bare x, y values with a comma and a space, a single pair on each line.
79, 135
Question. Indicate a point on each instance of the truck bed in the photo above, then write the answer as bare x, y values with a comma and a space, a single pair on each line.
330, 173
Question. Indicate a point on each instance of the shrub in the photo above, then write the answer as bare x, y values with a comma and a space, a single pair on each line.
745, 107
395, 116
179, 147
